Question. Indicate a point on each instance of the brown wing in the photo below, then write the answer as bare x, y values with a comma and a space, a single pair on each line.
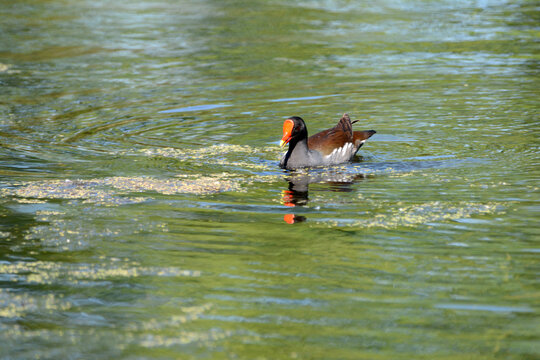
328, 140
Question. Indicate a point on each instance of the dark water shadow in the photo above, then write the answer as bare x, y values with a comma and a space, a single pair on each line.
297, 192
14, 227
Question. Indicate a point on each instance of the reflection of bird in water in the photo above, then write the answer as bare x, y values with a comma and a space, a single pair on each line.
294, 197
297, 192
292, 218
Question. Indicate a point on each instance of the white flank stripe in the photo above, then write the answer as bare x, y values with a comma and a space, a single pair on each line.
341, 154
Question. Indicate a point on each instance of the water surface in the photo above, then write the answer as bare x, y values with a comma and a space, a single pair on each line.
144, 215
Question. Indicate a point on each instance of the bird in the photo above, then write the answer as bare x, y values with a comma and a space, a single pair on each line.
329, 147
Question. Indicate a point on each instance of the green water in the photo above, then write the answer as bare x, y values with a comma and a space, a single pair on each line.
143, 213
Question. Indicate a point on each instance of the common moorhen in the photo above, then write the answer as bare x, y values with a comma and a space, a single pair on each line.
333, 146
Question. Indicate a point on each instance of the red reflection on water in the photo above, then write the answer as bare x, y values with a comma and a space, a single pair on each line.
292, 218
288, 198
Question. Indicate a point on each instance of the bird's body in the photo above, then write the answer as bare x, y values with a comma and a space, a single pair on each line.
329, 147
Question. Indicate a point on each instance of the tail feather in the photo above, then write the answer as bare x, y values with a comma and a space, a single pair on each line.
345, 124
363, 135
